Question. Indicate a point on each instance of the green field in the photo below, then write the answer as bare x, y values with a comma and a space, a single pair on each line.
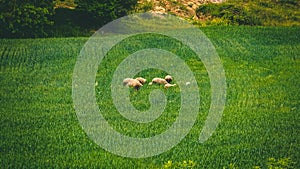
259, 128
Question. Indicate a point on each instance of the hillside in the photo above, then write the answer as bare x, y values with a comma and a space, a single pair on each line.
182, 8
70, 22
229, 12
260, 126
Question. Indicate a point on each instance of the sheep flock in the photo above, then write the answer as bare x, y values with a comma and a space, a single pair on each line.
139, 82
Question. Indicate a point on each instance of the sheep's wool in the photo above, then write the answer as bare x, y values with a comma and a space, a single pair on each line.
168, 78
159, 81
132, 83
141, 80
169, 85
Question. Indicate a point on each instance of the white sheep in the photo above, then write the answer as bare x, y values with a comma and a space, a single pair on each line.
132, 83
169, 85
141, 80
126, 81
158, 81
168, 78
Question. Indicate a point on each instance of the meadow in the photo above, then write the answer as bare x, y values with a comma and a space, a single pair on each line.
259, 128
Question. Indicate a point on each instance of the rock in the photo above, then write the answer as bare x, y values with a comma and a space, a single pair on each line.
182, 8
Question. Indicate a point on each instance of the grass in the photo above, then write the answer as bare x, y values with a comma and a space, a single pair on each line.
260, 125
255, 12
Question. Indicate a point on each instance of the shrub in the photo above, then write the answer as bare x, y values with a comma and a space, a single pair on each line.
264, 13
233, 14
25, 19
101, 12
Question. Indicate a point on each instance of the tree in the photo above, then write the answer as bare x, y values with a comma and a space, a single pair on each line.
25, 18
104, 11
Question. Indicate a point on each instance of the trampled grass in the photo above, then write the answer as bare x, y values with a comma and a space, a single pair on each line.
260, 124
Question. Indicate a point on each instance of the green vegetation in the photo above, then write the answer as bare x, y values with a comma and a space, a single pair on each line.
69, 4
25, 18
243, 12
69, 18
259, 128
144, 6
104, 11
56, 18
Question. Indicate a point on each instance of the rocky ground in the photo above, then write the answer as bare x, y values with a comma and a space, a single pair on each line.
182, 8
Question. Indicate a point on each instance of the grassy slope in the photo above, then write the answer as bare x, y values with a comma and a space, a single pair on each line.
254, 12
39, 128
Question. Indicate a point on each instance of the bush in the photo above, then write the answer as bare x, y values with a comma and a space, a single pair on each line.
70, 22
25, 19
98, 13
263, 13
229, 13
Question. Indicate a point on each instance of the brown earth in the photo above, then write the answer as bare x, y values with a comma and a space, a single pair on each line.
182, 8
